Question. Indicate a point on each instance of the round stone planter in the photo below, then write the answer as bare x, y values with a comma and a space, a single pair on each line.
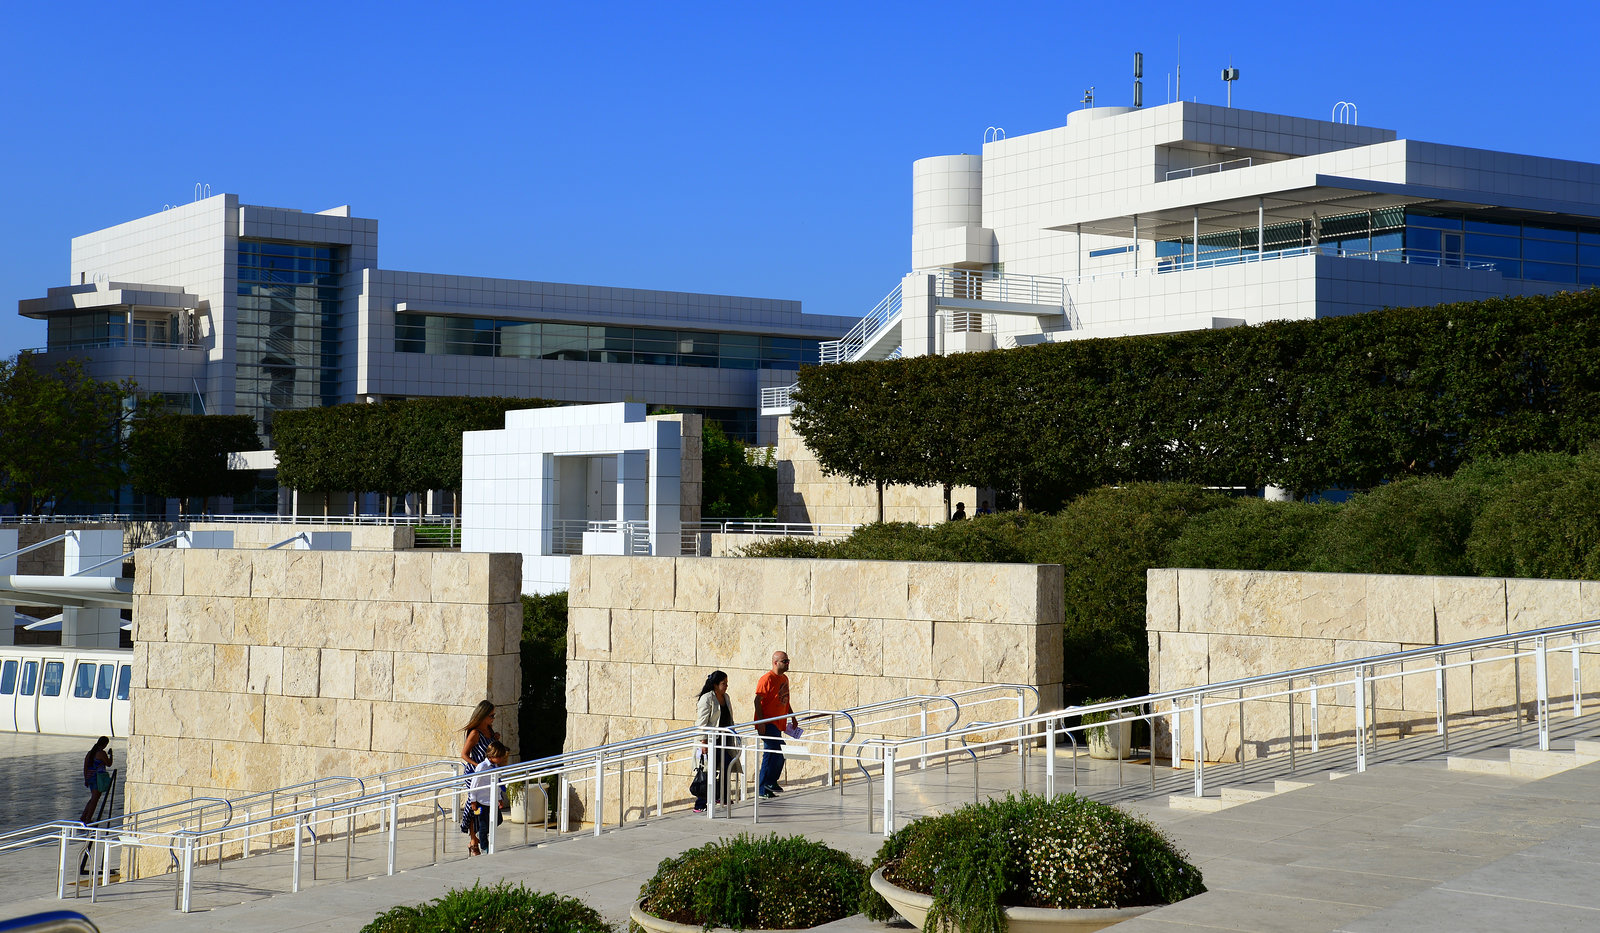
914, 907
655, 924
1110, 742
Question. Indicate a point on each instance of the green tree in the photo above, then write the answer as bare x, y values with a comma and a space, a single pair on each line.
1253, 534
61, 433
186, 456
541, 715
733, 485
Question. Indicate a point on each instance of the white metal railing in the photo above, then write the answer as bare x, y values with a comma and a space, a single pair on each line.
1209, 169
849, 346
300, 820
115, 518
1175, 264
119, 342
1358, 679
778, 399
979, 285
697, 535
566, 535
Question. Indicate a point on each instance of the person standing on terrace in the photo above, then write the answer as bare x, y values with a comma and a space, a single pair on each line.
772, 703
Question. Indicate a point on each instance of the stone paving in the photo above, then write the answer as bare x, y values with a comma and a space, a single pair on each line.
1409, 844
41, 779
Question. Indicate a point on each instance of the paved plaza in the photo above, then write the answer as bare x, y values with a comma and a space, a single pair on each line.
1410, 844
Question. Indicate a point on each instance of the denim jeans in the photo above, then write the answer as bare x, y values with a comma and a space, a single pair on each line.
772, 756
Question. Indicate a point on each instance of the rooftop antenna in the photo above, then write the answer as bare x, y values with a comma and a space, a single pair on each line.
201, 191
1088, 96
1138, 86
1178, 85
1230, 74
1345, 112
994, 134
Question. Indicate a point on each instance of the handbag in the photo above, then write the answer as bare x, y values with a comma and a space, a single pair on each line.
697, 786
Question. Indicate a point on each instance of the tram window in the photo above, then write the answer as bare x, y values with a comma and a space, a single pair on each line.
102, 687
8, 679
30, 677
53, 672
83, 682
124, 678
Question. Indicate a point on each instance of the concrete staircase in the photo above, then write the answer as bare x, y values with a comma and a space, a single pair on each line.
1529, 763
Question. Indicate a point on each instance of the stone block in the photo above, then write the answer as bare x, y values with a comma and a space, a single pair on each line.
610, 688
418, 728
302, 670
579, 594
457, 680
591, 630
1161, 600
505, 578
165, 571
338, 673
1589, 600
206, 619
460, 578
504, 682
858, 646
1198, 590
374, 675
1499, 686
932, 592
686, 683
1468, 607
396, 626
357, 575
652, 687
1385, 689
156, 712
1004, 593
466, 628
208, 572
250, 622
811, 638
759, 637
166, 666
957, 651
633, 635
1534, 604
245, 766
411, 676
698, 584
1050, 652
413, 577
1185, 661
773, 587
674, 637
1237, 656
632, 582
1008, 656
908, 648
1400, 609
150, 618
819, 691
230, 668
286, 574
265, 669
299, 720
577, 687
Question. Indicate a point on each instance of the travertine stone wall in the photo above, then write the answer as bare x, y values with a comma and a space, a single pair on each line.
645, 631
250, 535
1209, 626
806, 494
257, 669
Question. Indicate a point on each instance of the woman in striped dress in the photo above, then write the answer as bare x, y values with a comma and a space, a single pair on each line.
479, 732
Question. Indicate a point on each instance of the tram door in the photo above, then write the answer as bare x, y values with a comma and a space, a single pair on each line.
52, 697
28, 697
10, 668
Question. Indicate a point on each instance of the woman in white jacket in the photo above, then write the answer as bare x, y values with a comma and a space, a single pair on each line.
713, 710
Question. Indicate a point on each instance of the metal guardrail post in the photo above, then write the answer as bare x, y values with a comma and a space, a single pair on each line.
599, 791
1577, 681
294, 885
1542, 684
1292, 769
1316, 728
1441, 702
1199, 745
1050, 759
1516, 677
61, 866
1361, 717
188, 872
394, 814
494, 809
888, 789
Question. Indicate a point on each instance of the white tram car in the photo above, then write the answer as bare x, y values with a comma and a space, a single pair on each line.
65, 691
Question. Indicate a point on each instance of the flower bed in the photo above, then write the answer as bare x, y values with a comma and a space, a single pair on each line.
1069, 852
752, 882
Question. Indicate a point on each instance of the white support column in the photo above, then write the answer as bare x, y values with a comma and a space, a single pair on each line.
1135, 244
918, 333
8, 566
92, 628
1261, 227
1195, 259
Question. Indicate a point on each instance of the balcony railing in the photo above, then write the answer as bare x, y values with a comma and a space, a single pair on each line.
1211, 169
975, 285
566, 535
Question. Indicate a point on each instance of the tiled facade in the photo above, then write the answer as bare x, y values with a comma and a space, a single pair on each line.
231, 307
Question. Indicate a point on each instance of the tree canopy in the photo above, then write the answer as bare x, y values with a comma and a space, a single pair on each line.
1351, 402
186, 456
61, 434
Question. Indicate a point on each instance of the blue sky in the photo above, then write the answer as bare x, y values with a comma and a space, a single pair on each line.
751, 149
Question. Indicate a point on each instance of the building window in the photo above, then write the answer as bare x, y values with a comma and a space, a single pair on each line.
451, 335
288, 328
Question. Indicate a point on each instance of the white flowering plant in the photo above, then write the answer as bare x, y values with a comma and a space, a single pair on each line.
1030, 851
756, 883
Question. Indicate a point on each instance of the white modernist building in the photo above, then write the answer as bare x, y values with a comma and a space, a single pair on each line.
1189, 216
230, 308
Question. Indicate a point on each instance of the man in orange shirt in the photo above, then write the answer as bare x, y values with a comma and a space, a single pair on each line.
772, 701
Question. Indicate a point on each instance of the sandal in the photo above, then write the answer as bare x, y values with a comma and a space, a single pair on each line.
473, 850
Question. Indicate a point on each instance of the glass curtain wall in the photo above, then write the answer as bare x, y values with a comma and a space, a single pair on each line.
543, 340
288, 328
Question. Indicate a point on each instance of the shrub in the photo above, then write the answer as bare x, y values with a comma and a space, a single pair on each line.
752, 882
1030, 852
500, 908
1418, 525
1547, 527
1253, 534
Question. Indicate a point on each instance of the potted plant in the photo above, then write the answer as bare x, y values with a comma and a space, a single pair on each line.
1027, 865
750, 882
524, 803
499, 908
1109, 742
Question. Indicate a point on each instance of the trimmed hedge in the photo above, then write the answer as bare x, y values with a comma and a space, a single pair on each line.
497, 908
756, 882
1532, 515
1347, 402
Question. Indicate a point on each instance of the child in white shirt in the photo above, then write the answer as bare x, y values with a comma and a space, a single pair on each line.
475, 816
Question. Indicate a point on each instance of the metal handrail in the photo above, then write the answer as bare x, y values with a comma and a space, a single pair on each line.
880, 317
1008, 287
1210, 168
